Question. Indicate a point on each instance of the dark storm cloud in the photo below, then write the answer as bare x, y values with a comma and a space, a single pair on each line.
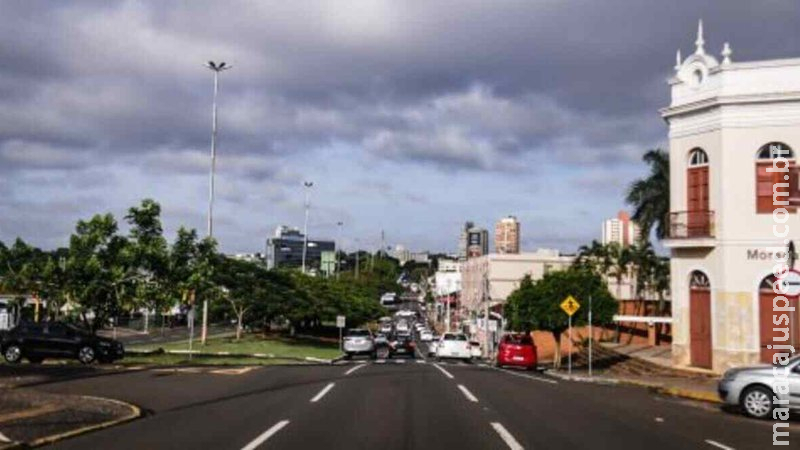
507, 86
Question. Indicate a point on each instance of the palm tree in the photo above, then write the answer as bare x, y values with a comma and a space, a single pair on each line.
649, 196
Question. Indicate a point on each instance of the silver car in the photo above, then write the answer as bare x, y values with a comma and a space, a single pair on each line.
751, 388
358, 341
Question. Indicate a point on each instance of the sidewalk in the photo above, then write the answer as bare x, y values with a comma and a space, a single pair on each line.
29, 418
641, 365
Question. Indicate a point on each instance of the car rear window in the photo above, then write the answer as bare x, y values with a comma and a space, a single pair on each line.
455, 337
358, 333
519, 339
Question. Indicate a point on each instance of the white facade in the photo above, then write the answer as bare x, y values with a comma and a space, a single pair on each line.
730, 111
498, 275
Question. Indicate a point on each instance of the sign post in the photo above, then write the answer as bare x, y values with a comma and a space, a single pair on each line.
591, 335
570, 306
340, 322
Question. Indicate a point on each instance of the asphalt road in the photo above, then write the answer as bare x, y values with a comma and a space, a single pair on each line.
400, 405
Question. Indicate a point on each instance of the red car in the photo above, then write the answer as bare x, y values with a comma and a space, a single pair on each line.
517, 350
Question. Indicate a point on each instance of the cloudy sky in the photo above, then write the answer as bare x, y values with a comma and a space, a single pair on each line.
410, 117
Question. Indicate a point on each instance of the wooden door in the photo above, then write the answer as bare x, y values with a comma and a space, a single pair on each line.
697, 202
700, 327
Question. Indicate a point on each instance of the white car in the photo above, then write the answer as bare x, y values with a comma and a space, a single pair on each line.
454, 345
401, 327
426, 336
476, 349
432, 347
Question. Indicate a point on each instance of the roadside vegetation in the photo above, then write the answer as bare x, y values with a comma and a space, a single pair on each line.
106, 275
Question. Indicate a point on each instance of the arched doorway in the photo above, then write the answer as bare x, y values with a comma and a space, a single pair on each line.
700, 320
769, 332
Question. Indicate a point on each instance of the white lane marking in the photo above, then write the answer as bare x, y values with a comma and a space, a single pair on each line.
416, 349
467, 393
446, 373
506, 436
355, 368
659, 419
399, 361
522, 375
265, 435
718, 445
322, 392
380, 361
419, 361
3, 438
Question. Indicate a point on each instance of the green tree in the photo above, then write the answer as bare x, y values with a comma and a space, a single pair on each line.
536, 305
649, 196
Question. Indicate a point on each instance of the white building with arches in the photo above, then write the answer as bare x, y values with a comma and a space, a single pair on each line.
728, 121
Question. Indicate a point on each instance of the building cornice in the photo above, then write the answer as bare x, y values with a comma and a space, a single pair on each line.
717, 101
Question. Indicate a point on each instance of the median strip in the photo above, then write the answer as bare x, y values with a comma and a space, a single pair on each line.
265, 435
467, 393
322, 393
506, 436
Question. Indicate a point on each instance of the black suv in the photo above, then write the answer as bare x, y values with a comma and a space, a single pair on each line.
37, 341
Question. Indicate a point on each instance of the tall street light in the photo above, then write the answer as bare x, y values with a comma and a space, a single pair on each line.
217, 68
308, 185
338, 266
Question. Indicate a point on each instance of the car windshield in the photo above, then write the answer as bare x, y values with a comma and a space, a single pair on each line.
518, 340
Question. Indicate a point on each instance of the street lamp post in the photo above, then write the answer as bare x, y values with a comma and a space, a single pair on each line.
308, 185
338, 265
217, 68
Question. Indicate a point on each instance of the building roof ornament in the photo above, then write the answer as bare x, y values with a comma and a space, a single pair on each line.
700, 42
726, 54
678, 60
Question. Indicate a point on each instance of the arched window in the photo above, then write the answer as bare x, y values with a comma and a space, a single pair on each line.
770, 182
699, 280
698, 157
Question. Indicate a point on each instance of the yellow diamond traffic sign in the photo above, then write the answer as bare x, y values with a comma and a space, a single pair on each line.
570, 305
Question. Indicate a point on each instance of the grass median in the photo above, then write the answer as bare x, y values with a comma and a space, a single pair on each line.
277, 349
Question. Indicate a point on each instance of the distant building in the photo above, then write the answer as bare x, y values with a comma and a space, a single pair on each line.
473, 242
249, 257
285, 249
621, 230
494, 276
506, 235
404, 255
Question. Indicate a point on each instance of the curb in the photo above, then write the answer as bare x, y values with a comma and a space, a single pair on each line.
161, 351
135, 413
703, 396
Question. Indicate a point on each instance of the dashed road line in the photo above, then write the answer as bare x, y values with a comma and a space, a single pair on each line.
322, 392
506, 436
4, 439
446, 373
265, 435
467, 393
718, 445
354, 368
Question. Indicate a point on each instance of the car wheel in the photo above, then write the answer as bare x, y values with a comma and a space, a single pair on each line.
757, 402
35, 359
86, 355
13, 354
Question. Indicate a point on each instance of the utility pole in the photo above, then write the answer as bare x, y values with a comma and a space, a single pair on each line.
308, 185
217, 68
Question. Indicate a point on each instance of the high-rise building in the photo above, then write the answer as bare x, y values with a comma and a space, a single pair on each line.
621, 230
506, 235
463, 240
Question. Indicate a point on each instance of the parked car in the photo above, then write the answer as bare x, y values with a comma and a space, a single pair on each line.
517, 349
433, 345
403, 344
386, 328
38, 341
358, 341
748, 388
426, 336
454, 345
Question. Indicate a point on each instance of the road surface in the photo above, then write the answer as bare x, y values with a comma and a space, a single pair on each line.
414, 404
